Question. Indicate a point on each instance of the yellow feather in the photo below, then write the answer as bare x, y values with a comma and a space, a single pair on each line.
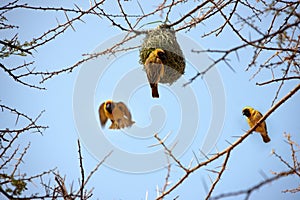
253, 116
155, 70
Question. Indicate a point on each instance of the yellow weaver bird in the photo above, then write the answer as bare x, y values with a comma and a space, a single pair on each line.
118, 114
155, 69
253, 116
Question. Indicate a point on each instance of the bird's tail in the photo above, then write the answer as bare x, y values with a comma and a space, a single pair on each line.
265, 137
154, 90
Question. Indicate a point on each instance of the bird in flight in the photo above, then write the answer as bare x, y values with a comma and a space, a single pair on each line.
117, 112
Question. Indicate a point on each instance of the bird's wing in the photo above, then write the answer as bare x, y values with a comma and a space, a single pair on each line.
266, 127
255, 116
124, 110
263, 124
102, 115
154, 71
154, 67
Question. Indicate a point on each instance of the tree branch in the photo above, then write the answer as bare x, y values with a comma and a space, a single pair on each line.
230, 148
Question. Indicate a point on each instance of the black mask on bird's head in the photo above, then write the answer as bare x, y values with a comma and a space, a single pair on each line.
246, 112
109, 107
162, 55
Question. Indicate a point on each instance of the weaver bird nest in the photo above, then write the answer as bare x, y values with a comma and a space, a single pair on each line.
164, 38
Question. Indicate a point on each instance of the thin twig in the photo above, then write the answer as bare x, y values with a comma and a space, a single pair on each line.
81, 169
219, 176
230, 148
255, 187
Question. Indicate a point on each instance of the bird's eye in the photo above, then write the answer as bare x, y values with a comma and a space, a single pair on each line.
246, 112
109, 107
161, 55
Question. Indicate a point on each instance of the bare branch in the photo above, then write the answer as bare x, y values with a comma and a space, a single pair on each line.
230, 148
293, 170
278, 80
10, 45
81, 169
248, 192
219, 176
169, 152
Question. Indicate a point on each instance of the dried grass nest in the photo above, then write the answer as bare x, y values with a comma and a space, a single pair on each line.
165, 38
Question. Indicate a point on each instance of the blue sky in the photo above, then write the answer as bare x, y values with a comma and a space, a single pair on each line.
58, 146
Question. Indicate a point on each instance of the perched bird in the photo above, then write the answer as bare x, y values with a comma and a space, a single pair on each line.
118, 114
155, 69
253, 116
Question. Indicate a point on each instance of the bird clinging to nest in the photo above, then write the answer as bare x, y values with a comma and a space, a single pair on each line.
171, 55
155, 69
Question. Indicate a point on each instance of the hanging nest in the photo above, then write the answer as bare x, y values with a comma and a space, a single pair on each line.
164, 38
